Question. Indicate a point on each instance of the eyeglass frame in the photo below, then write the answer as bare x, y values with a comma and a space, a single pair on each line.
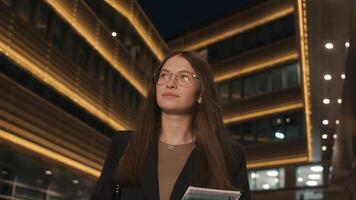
170, 76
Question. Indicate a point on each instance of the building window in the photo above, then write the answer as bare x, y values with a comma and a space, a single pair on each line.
309, 175
224, 92
69, 44
268, 179
236, 89
57, 31
288, 126
92, 64
291, 75
260, 36
43, 20
82, 55
316, 194
277, 79
256, 84
25, 10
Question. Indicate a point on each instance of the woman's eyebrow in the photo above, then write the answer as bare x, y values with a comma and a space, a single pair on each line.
186, 71
178, 71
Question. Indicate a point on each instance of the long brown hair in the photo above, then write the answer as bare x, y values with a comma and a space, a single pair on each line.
212, 140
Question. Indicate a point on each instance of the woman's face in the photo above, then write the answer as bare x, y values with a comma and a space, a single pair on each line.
177, 90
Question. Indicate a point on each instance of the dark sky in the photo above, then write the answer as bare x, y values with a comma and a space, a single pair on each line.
173, 18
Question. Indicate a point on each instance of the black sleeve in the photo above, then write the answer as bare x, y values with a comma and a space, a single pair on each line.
105, 185
239, 173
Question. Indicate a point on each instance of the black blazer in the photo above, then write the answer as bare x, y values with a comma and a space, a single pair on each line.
149, 190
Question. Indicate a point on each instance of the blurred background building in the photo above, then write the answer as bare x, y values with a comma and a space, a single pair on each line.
73, 73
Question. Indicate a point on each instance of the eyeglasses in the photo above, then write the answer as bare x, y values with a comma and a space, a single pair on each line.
183, 78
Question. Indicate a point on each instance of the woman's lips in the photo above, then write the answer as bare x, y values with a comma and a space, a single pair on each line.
170, 95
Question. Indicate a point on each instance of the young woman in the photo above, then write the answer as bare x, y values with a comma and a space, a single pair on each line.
180, 140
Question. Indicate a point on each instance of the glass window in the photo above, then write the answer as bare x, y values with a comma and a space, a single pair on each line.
32, 181
43, 19
57, 33
25, 10
316, 194
238, 45
277, 128
262, 35
81, 56
250, 40
309, 175
92, 64
269, 179
256, 84
276, 76
110, 78
235, 131
5, 189
69, 44
236, 90
289, 26
291, 75
248, 135
224, 92
7, 174
262, 130
277, 30
25, 193
133, 99
293, 125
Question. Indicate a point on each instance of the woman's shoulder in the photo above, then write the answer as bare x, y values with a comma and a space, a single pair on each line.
121, 135
236, 147
236, 153
120, 139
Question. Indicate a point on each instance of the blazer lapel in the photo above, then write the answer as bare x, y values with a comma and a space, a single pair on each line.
149, 176
186, 177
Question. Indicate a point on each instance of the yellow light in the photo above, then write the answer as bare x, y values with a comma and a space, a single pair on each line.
28, 64
158, 46
304, 56
264, 112
9, 137
276, 162
257, 66
219, 31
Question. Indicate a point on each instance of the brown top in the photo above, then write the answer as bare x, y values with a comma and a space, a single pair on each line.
171, 160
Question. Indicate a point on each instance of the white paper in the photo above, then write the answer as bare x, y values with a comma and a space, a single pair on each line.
214, 192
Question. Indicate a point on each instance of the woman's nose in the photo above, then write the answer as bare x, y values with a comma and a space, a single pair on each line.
172, 82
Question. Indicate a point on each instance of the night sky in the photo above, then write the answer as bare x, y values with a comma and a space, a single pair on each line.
174, 18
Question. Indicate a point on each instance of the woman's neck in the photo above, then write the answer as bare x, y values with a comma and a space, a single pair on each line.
176, 129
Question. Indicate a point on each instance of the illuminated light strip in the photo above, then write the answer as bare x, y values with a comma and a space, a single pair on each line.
139, 27
264, 112
48, 153
259, 66
302, 21
187, 44
277, 162
105, 52
29, 65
